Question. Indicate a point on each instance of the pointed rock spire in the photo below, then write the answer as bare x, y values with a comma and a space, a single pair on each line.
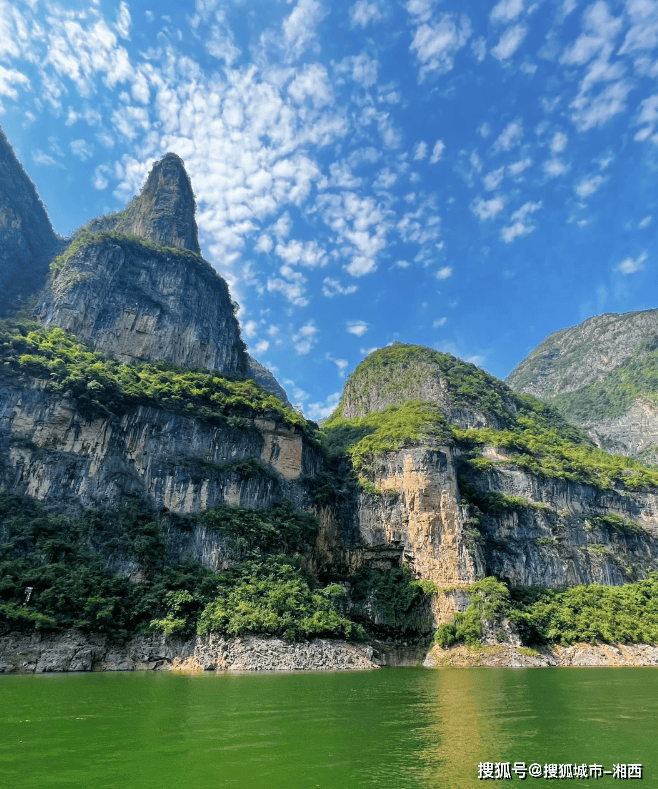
164, 210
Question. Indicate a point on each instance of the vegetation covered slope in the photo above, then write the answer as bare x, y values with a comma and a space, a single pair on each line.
100, 384
535, 435
67, 562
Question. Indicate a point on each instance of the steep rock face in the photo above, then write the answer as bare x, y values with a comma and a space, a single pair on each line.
603, 376
183, 464
28, 239
566, 534
422, 513
266, 380
570, 359
163, 213
138, 303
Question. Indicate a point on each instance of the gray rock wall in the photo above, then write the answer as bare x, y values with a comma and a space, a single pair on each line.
140, 304
28, 239
72, 650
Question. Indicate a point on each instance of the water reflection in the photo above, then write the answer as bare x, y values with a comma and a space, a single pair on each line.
389, 729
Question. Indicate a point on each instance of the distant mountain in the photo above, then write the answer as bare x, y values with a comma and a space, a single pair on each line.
603, 376
28, 239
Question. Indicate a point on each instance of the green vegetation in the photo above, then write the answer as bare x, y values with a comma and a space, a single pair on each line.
400, 372
364, 438
274, 596
611, 614
84, 238
635, 378
280, 529
103, 385
392, 599
67, 561
541, 448
489, 600
535, 435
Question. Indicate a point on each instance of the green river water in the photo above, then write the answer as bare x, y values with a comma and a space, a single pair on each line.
390, 728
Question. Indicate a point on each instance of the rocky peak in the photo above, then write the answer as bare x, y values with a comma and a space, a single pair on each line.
603, 376
28, 239
467, 395
163, 212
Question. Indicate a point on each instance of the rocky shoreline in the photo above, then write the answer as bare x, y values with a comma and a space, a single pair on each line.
74, 651
506, 656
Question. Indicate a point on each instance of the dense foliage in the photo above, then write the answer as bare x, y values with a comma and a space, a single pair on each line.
535, 435
363, 438
391, 599
400, 372
636, 377
107, 386
69, 564
611, 614
273, 596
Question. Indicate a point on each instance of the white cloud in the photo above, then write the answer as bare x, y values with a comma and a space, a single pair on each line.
262, 346
250, 329
437, 42
493, 179
357, 327
588, 186
305, 338
521, 225
510, 137
331, 287
644, 222
444, 273
312, 83
8, 79
363, 13
509, 42
630, 266
514, 170
559, 142
506, 10
341, 364
293, 289
556, 167
82, 149
420, 151
439, 322
323, 408
487, 209
42, 158
123, 20
437, 151
299, 29
303, 253
99, 178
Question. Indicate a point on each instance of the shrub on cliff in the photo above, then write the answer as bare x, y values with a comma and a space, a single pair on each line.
611, 614
274, 596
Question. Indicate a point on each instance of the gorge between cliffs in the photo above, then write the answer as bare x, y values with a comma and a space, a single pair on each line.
162, 504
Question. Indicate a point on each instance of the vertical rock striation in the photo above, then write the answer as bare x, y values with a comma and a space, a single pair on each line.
28, 239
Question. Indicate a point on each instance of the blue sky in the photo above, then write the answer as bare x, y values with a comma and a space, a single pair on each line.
463, 175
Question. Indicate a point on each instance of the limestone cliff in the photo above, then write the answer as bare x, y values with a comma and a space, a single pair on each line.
143, 303
28, 239
452, 486
602, 375
266, 379
162, 213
